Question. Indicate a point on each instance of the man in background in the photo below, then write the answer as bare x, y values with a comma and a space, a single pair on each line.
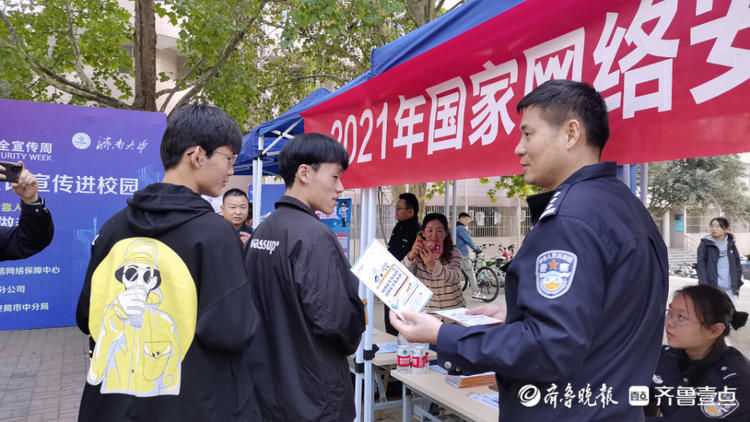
403, 236
235, 209
463, 243
35, 229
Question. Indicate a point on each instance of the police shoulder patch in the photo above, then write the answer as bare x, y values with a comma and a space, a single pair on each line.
555, 270
719, 410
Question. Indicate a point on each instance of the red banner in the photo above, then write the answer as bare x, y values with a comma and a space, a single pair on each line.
674, 75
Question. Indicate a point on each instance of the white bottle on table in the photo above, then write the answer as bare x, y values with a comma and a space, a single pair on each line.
403, 353
419, 357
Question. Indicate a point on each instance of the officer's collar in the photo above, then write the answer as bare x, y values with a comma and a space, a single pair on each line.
291, 201
541, 204
603, 169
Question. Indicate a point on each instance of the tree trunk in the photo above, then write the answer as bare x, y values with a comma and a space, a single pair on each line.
145, 56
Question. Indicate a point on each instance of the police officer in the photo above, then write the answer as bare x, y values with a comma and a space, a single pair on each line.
586, 291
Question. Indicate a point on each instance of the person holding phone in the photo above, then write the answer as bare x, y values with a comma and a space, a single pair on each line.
35, 228
437, 263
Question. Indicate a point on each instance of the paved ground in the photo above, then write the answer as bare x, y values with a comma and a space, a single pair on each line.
42, 372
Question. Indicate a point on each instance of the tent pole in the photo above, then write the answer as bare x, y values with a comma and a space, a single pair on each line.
455, 216
358, 356
371, 217
257, 183
446, 210
644, 182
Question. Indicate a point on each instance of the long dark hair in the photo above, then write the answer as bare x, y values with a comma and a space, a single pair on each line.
448, 242
712, 305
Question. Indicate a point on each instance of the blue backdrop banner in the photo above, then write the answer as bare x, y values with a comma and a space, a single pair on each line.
340, 221
88, 162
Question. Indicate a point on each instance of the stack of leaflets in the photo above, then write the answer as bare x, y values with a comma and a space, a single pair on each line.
464, 381
459, 316
390, 280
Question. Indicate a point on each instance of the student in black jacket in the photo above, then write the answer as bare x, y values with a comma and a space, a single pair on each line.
699, 377
310, 315
166, 297
35, 229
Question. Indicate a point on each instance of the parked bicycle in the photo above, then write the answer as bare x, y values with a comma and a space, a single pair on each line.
489, 278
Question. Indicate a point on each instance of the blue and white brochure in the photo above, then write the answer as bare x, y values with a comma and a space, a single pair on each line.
396, 286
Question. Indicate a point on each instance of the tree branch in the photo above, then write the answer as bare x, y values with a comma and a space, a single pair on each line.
456, 5
317, 75
76, 51
57, 81
229, 48
177, 83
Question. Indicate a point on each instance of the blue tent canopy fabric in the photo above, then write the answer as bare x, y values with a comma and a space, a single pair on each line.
382, 59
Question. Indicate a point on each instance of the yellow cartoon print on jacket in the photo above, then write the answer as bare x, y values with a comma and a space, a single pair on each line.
143, 316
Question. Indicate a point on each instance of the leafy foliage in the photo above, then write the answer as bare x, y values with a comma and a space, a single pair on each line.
253, 58
706, 182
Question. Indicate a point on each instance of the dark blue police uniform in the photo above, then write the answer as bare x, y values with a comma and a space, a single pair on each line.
716, 387
586, 295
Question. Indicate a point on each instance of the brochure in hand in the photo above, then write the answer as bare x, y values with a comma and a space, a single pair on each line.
460, 317
390, 280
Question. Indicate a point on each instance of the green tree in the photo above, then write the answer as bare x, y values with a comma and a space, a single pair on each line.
705, 182
253, 58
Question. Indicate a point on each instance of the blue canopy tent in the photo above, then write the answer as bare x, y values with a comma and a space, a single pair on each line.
382, 59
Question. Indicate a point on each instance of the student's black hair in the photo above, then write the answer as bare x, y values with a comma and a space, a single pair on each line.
411, 201
712, 305
560, 100
723, 222
233, 192
312, 149
463, 214
448, 242
198, 124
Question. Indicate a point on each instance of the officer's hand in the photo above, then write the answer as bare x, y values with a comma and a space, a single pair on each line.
27, 187
490, 309
424, 328
244, 237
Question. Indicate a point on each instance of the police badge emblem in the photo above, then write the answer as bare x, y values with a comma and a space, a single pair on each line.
718, 410
554, 272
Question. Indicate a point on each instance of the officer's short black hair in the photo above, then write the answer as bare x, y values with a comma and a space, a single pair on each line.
560, 100
198, 124
411, 201
712, 305
233, 192
463, 214
312, 149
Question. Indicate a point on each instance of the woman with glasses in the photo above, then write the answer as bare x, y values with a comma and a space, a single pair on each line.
718, 259
699, 377
437, 263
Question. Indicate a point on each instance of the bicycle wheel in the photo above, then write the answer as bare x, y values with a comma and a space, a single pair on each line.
487, 283
466, 280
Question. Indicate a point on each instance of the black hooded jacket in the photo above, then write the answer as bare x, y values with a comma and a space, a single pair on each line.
310, 317
181, 358
708, 256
